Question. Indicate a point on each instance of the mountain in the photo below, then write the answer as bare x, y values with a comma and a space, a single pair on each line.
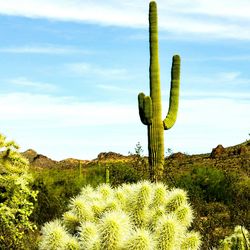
229, 157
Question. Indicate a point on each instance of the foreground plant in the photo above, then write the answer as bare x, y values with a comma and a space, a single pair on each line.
239, 240
16, 196
142, 216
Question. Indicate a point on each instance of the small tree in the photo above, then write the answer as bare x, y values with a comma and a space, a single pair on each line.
16, 197
139, 162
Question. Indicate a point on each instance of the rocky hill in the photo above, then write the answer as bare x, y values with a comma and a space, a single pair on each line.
228, 158
223, 157
41, 161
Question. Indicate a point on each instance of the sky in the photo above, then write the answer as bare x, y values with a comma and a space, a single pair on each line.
71, 71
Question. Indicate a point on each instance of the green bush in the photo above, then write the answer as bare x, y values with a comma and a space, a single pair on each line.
16, 197
123, 173
138, 216
55, 187
208, 183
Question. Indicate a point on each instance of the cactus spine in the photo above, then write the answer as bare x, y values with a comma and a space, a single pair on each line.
150, 106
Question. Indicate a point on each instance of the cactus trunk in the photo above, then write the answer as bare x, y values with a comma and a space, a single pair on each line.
155, 130
150, 106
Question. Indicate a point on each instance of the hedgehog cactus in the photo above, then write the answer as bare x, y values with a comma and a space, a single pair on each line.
150, 106
142, 216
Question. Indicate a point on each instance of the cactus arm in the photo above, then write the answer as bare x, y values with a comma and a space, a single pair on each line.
170, 119
141, 108
145, 108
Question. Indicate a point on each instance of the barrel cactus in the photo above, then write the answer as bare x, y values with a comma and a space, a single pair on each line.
150, 109
142, 216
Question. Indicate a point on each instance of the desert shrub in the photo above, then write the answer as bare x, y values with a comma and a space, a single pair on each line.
55, 187
239, 240
16, 196
220, 199
240, 203
123, 173
139, 163
208, 183
138, 216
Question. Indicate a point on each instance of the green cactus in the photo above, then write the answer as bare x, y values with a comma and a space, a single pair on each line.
150, 109
239, 240
107, 175
142, 216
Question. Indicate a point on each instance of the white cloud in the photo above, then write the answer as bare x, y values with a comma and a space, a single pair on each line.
206, 19
45, 49
25, 82
218, 94
220, 58
221, 78
84, 69
63, 127
50, 112
222, 8
202, 124
116, 88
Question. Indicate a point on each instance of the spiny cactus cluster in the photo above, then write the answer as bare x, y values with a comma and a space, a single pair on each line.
239, 240
142, 216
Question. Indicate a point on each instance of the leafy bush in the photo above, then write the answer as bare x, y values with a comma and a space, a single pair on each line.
123, 173
138, 216
208, 183
16, 197
55, 187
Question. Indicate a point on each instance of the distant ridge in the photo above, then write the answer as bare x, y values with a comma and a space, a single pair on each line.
228, 155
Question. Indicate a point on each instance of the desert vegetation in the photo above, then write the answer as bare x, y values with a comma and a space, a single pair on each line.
217, 189
117, 202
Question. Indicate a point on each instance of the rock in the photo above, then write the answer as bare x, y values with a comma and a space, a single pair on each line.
242, 150
38, 160
218, 152
109, 155
30, 155
43, 161
72, 163
177, 156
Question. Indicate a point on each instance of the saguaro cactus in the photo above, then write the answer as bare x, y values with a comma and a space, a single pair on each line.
150, 106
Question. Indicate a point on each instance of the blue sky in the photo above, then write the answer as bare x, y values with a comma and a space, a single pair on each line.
71, 71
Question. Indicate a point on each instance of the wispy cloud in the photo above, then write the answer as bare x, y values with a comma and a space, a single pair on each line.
47, 111
205, 19
226, 58
86, 69
32, 85
43, 49
221, 78
70, 125
223, 8
218, 95
116, 88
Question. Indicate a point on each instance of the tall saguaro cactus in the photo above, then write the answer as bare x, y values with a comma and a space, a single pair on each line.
150, 106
